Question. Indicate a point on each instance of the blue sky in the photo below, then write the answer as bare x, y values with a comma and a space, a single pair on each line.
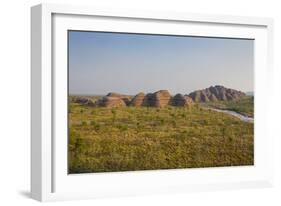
130, 63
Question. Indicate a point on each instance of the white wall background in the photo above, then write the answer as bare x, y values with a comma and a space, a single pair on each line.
15, 101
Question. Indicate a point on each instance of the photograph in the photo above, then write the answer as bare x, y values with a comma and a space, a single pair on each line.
139, 101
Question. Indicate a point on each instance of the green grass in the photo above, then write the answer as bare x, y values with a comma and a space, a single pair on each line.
243, 106
127, 139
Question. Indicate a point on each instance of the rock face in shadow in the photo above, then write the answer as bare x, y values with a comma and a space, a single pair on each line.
216, 93
180, 100
110, 102
125, 98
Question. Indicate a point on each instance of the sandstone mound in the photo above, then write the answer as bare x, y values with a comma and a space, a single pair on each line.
216, 93
84, 101
125, 98
181, 101
138, 100
160, 98
110, 102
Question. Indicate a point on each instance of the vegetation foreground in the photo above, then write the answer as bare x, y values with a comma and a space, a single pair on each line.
147, 138
244, 106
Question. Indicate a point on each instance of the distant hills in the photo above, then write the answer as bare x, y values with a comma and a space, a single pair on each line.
163, 98
160, 98
216, 93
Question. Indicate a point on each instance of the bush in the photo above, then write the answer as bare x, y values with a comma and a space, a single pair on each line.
122, 127
83, 123
97, 127
114, 114
93, 123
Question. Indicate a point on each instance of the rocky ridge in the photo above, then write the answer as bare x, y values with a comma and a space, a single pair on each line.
111, 102
163, 98
125, 98
216, 93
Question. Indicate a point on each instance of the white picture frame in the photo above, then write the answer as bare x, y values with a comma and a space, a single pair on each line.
49, 178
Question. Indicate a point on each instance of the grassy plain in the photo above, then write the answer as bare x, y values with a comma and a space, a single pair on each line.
128, 139
243, 106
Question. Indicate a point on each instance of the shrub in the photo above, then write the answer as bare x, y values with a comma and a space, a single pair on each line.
93, 123
122, 127
114, 114
162, 121
96, 126
83, 123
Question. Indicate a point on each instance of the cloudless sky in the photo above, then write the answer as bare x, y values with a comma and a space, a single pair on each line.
102, 62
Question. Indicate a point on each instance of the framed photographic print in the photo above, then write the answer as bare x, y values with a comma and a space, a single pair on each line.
137, 102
